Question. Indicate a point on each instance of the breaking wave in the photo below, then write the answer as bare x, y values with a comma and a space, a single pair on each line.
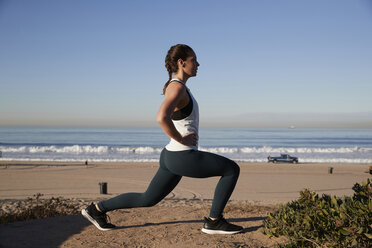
104, 153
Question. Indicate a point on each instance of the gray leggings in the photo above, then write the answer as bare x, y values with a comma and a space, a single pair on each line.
174, 165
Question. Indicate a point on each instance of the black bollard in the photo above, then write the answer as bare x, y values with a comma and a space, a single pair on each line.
103, 188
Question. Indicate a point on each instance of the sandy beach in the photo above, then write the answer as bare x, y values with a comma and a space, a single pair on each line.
177, 220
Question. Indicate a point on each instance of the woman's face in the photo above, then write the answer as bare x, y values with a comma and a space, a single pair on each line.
190, 66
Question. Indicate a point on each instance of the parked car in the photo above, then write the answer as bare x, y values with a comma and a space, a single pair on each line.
283, 158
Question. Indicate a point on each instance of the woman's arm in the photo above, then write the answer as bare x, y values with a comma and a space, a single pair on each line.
175, 96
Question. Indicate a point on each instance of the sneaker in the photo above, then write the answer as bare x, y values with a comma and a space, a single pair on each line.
220, 226
97, 218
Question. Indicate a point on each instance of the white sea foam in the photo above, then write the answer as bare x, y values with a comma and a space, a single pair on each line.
267, 149
54, 149
101, 153
221, 150
146, 150
77, 149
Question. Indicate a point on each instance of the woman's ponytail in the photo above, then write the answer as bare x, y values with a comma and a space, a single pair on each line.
167, 83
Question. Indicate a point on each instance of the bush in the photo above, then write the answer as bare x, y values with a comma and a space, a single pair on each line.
313, 221
37, 208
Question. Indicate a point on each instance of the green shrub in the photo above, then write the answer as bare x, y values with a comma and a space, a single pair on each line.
327, 221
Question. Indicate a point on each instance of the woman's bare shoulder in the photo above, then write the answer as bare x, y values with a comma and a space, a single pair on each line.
175, 88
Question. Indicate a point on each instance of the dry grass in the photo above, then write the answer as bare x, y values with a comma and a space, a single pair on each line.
36, 208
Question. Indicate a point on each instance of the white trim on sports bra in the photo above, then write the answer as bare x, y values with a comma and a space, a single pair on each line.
178, 80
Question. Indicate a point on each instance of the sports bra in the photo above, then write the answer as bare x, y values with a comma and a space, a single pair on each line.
183, 112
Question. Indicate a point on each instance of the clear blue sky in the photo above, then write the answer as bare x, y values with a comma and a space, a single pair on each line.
263, 63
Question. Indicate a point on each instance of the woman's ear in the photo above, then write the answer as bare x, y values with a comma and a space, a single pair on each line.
180, 63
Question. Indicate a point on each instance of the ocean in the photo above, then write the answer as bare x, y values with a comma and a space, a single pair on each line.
144, 144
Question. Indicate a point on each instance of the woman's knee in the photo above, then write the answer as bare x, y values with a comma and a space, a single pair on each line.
148, 201
233, 169
236, 168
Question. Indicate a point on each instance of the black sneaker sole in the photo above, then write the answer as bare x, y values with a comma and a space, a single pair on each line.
210, 231
93, 221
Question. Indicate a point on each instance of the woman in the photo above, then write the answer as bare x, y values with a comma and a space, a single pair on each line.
179, 118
